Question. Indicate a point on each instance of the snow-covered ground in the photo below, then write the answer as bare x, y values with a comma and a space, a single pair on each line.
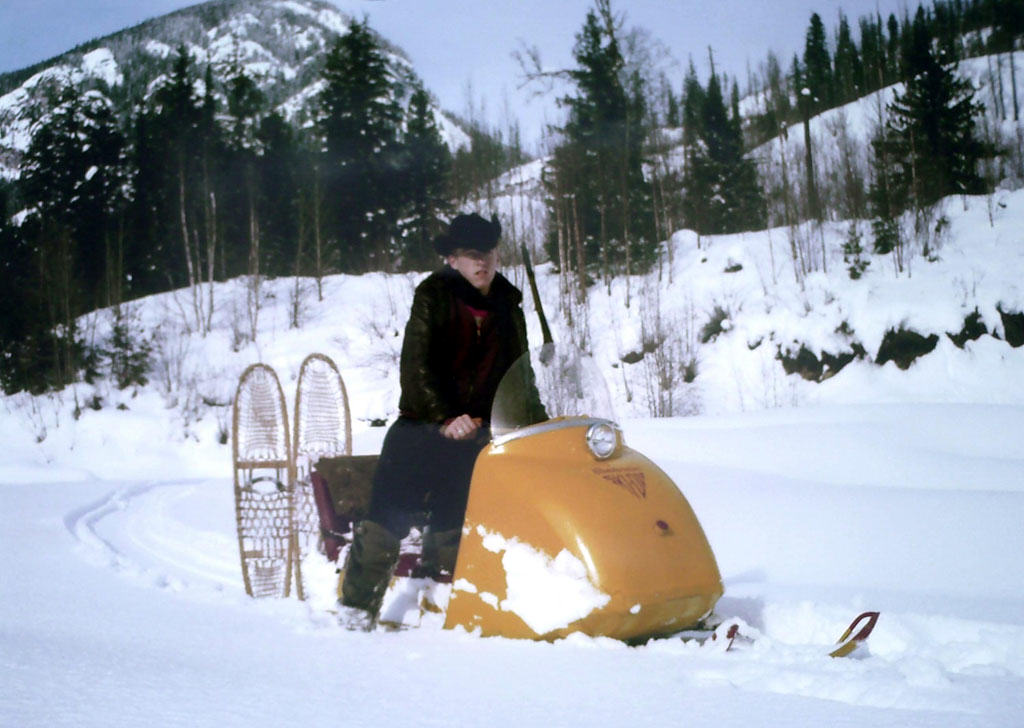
123, 603
878, 488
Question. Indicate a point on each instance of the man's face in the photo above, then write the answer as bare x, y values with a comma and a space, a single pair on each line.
476, 267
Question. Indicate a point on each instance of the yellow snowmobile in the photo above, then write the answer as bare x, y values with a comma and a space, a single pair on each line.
567, 529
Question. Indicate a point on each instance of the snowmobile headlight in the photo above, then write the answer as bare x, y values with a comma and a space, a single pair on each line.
603, 440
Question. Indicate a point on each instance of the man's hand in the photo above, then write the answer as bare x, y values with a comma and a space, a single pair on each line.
462, 427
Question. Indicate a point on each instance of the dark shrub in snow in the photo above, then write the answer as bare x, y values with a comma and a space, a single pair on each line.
1013, 326
715, 325
903, 346
972, 329
810, 367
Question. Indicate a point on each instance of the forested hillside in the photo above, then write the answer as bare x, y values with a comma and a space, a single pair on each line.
237, 137
256, 139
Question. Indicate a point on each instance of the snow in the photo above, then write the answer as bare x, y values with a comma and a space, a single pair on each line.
546, 593
100, 63
156, 48
123, 601
452, 135
333, 20
228, 44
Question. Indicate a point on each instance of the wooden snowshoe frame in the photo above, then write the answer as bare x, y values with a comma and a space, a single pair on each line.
263, 482
323, 428
323, 423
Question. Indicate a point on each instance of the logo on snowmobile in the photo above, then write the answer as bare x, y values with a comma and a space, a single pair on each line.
632, 481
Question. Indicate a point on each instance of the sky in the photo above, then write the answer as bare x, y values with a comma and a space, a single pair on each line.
464, 50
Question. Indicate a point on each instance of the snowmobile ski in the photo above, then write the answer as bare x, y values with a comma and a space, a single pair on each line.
733, 634
854, 636
720, 637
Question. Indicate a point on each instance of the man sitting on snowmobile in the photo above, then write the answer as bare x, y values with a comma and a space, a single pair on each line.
465, 330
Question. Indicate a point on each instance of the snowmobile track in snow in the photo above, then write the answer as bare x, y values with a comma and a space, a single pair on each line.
81, 522
133, 530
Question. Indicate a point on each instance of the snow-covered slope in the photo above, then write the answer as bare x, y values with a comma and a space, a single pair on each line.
858, 121
841, 137
712, 330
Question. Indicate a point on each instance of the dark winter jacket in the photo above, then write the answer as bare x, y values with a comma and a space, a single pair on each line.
451, 365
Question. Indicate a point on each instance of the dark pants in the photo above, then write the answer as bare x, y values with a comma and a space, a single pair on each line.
421, 471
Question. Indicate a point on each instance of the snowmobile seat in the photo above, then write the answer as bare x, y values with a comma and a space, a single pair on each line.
341, 490
342, 486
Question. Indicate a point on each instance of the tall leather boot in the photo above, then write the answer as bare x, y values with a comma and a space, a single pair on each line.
371, 560
440, 549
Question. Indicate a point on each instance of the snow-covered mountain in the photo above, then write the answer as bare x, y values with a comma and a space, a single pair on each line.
279, 43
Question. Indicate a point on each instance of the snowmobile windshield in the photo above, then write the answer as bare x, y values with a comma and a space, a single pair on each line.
549, 382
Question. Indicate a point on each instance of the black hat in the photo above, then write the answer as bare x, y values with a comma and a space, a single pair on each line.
470, 232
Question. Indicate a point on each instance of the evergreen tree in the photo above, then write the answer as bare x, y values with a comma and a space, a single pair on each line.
849, 74
21, 324
672, 118
932, 125
74, 176
168, 182
48, 282
697, 179
475, 167
887, 199
278, 179
817, 65
1007, 25
853, 253
600, 164
30, 344
245, 213
722, 190
893, 53
245, 104
426, 166
211, 182
596, 125
150, 254
313, 256
778, 109
637, 197
872, 43
947, 30
188, 144
360, 125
